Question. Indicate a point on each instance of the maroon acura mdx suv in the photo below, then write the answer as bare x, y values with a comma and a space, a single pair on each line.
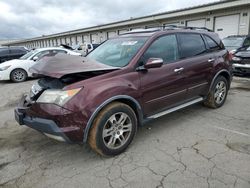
138, 76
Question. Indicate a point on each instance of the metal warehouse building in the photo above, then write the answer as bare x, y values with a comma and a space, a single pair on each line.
224, 17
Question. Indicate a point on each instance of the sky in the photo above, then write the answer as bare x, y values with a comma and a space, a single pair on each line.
26, 18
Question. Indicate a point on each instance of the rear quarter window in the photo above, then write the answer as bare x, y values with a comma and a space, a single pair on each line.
213, 46
191, 45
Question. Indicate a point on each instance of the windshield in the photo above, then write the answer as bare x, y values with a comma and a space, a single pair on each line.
233, 42
29, 54
117, 52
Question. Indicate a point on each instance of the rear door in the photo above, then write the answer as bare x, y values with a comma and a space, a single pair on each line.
162, 87
198, 65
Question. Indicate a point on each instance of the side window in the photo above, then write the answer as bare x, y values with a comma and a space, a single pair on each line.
246, 42
164, 47
16, 51
213, 46
60, 52
4, 52
191, 45
40, 55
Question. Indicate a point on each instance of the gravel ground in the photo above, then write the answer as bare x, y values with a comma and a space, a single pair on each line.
194, 147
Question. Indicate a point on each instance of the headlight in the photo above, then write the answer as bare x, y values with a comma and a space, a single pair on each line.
58, 97
236, 59
5, 68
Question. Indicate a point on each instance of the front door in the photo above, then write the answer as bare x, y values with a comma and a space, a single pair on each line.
163, 87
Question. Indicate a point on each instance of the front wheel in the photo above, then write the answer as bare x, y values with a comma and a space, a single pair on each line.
18, 75
218, 94
113, 129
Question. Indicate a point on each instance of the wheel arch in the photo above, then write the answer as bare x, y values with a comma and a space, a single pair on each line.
16, 68
225, 73
130, 101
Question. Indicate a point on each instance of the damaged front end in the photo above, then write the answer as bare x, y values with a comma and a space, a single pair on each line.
43, 109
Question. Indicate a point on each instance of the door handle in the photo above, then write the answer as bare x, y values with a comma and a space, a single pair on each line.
179, 70
210, 60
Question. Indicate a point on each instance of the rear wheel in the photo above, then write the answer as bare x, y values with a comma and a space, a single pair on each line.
18, 75
113, 129
218, 94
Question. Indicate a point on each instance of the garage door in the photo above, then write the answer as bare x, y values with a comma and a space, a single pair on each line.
227, 25
111, 34
95, 38
196, 23
79, 39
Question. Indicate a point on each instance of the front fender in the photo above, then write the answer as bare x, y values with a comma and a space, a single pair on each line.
105, 103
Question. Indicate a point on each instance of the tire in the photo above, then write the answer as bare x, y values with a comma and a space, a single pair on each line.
18, 75
218, 94
115, 141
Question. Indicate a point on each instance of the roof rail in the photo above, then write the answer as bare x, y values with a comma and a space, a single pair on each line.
167, 27
186, 27
149, 30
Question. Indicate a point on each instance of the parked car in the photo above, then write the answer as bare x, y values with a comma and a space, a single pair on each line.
241, 61
139, 76
17, 70
14, 52
235, 42
84, 49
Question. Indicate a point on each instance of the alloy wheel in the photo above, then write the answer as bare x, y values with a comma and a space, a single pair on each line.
117, 130
220, 92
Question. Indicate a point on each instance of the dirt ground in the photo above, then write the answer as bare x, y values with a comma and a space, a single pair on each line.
196, 147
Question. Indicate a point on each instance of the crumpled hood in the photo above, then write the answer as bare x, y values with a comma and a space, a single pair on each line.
62, 64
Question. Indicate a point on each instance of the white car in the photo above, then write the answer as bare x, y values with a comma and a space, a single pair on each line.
17, 70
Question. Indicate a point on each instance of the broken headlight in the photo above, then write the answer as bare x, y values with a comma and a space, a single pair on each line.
58, 97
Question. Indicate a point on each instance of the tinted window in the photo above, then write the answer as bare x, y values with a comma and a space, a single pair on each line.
246, 42
16, 51
211, 43
59, 51
164, 47
191, 45
233, 41
4, 51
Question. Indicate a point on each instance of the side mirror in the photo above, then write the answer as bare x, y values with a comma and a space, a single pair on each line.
35, 58
153, 63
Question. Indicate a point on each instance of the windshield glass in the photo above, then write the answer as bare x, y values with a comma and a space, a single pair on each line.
233, 42
29, 54
117, 52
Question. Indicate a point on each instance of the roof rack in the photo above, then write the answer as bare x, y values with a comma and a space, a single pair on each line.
167, 27
149, 30
186, 27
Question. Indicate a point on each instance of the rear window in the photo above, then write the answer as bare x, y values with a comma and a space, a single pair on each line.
17, 51
191, 45
233, 41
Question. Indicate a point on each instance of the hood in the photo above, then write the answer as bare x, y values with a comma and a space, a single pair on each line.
243, 54
11, 62
62, 64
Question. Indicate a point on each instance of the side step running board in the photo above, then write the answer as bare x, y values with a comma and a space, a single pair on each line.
176, 108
